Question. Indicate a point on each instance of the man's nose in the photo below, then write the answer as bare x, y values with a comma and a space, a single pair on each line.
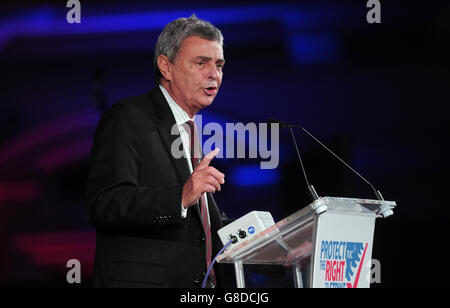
213, 72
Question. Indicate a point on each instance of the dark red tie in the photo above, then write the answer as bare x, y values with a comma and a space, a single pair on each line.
195, 159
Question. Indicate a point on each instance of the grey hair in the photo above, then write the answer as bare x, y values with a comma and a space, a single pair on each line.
175, 32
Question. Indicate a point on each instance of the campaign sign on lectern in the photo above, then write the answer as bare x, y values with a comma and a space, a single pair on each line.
328, 244
343, 246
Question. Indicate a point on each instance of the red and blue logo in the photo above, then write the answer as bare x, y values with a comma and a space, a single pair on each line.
342, 263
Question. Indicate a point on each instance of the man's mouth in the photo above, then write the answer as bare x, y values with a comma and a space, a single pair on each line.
210, 91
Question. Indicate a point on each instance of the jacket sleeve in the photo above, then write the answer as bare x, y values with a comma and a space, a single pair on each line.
114, 196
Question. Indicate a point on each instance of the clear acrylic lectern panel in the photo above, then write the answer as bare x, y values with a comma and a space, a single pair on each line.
293, 240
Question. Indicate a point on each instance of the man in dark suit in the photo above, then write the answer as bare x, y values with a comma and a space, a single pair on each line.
156, 220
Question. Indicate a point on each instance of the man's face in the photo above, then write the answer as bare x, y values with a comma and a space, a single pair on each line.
196, 73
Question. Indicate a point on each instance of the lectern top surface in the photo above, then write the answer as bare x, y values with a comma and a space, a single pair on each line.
291, 237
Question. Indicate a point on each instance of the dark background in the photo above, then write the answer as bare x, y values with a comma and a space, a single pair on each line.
374, 93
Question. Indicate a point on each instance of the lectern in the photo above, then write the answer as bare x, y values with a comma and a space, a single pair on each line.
328, 243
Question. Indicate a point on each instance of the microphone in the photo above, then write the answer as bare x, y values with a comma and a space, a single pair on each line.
282, 124
310, 189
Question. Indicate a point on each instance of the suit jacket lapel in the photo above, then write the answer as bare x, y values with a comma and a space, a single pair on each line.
164, 123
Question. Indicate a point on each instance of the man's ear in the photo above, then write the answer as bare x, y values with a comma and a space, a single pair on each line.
165, 68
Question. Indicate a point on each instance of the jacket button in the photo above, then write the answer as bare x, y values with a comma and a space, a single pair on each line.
197, 282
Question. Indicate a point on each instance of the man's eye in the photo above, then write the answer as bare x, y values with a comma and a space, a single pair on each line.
200, 63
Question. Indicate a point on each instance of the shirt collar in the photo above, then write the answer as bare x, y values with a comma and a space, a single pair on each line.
179, 114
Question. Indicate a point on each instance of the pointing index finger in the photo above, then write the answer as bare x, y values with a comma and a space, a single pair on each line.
206, 160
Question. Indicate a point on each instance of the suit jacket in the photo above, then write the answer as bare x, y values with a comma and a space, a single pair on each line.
134, 193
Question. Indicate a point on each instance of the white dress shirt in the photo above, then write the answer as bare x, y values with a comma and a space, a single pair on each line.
181, 117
